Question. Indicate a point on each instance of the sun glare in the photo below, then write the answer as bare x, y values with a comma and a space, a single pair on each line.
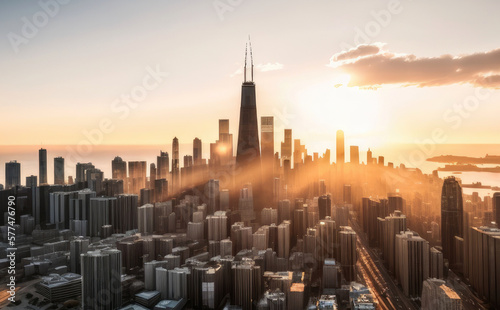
332, 105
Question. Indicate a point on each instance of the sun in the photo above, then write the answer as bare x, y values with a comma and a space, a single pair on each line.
332, 105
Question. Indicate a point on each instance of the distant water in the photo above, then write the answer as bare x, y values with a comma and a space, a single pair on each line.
101, 156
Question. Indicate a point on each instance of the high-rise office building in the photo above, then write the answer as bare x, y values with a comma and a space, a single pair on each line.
286, 145
100, 214
340, 147
125, 218
495, 202
299, 153
59, 205
217, 226
273, 300
59, 170
221, 152
269, 216
145, 219
284, 239
213, 194
369, 157
101, 279
94, 178
178, 283
245, 204
241, 236
437, 295
296, 296
348, 256
208, 288
195, 231
347, 194
147, 195
162, 166
175, 166
226, 247
31, 181
188, 161
484, 262
197, 152
112, 187
248, 149
391, 226
259, 240
381, 160
451, 219
328, 239
331, 276
77, 247
137, 176
118, 168
12, 174
412, 262
247, 284
267, 140
152, 175
225, 143
371, 210
354, 154
161, 190
284, 211
81, 171
325, 206
395, 202
42, 166
267, 147
436, 264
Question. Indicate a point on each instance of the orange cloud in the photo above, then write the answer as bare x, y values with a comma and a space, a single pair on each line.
370, 66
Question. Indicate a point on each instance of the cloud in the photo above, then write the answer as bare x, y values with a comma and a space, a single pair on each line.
371, 66
359, 51
237, 72
269, 67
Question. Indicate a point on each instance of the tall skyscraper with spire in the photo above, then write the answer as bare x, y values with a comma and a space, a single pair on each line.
248, 152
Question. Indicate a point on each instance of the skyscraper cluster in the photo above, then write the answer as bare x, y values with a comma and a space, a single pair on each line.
254, 228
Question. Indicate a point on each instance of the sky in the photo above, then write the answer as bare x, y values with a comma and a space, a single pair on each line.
136, 72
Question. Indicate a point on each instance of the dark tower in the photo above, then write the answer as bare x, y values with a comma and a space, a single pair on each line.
42, 166
175, 165
248, 152
197, 160
496, 208
59, 170
451, 219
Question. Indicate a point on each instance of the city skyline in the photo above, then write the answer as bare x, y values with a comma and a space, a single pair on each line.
347, 160
313, 92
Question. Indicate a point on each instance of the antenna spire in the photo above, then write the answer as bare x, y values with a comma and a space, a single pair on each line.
251, 57
245, 67
247, 46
